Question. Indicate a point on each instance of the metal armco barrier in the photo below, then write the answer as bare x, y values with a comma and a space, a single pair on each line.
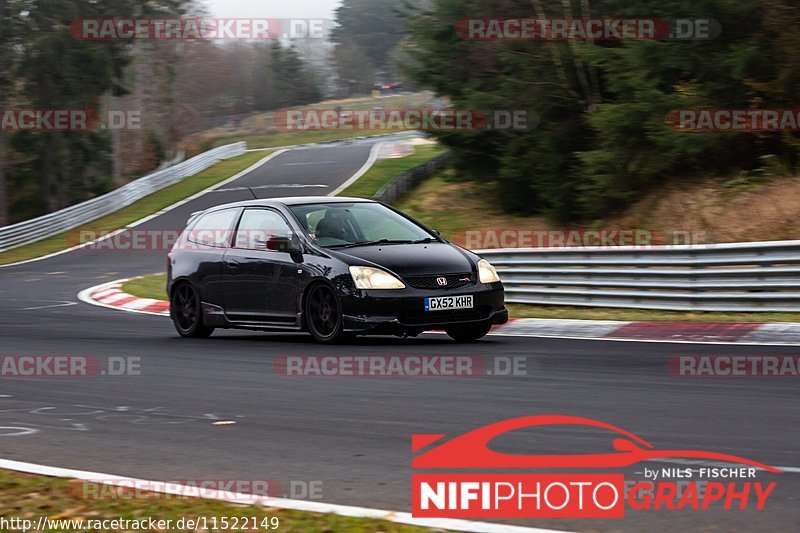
51, 224
758, 276
401, 184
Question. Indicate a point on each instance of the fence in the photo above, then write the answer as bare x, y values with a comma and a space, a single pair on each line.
401, 184
761, 276
54, 223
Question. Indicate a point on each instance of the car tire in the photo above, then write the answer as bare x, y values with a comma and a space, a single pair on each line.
468, 333
186, 313
323, 315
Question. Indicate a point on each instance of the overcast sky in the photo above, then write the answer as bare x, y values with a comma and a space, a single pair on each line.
272, 8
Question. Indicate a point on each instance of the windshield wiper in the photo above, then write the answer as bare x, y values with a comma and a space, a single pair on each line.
369, 243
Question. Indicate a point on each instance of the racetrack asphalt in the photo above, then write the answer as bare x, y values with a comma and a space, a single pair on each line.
353, 433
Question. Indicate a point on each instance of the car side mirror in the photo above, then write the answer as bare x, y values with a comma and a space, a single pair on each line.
281, 243
437, 233
289, 244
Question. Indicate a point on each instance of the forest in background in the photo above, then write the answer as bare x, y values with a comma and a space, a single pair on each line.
175, 87
601, 140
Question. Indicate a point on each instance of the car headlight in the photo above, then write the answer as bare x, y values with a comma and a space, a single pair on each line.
486, 272
374, 278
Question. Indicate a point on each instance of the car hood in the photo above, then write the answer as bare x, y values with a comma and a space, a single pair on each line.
433, 259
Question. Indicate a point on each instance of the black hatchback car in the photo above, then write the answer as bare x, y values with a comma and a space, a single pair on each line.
335, 267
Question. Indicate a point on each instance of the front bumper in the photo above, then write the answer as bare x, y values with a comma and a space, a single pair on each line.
403, 311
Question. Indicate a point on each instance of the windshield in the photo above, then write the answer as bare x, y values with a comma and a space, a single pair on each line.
338, 225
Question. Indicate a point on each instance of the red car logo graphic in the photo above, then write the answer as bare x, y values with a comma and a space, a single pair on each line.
471, 450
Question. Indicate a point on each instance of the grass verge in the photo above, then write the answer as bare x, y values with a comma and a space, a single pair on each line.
454, 207
144, 207
385, 170
29, 497
259, 130
153, 286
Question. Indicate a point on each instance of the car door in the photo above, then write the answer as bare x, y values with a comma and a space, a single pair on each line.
261, 284
202, 252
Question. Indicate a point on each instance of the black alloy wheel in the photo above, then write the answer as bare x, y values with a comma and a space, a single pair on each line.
186, 313
324, 315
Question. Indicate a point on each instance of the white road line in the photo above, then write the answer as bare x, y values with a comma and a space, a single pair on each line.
62, 304
499, 333
276, 186
278, 151
154, 215
219, 185
373, 156
309, 163
280, 503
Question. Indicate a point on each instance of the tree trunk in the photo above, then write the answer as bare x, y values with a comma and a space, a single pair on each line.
558, 62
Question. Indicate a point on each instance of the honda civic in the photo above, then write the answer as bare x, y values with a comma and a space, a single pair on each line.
334, 267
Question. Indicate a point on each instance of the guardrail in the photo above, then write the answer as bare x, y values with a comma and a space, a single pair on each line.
51, 224
759, 276
402, 183
179, 158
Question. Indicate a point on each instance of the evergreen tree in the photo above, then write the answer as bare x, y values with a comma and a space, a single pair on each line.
603, 137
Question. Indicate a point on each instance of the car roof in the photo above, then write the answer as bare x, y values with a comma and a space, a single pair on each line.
291, 201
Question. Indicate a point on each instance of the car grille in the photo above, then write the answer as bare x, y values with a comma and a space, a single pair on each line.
454, 281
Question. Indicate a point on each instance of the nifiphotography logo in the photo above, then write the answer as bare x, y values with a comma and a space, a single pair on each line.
574, 495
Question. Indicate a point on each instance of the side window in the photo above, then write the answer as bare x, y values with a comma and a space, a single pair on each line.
214, 229
258, 226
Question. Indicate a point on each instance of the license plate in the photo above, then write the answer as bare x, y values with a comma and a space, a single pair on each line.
446, 303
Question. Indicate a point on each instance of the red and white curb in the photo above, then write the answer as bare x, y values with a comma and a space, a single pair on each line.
739, 333
278, 503
112, 296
